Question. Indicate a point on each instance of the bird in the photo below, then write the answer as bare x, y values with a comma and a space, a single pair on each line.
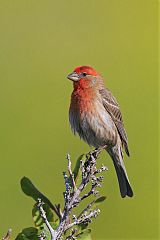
95, 115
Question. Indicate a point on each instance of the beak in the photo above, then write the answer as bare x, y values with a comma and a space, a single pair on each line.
73, 76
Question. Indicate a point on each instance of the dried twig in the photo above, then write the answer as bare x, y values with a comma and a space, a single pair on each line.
43, 215
8, 235
71, 173
72, 197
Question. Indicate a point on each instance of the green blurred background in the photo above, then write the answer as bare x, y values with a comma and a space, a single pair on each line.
40, 43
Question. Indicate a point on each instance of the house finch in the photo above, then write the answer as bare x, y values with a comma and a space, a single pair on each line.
95, 115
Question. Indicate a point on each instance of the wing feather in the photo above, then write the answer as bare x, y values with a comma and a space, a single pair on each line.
113, 109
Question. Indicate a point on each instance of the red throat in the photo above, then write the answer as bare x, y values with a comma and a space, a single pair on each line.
81, 84
82, 96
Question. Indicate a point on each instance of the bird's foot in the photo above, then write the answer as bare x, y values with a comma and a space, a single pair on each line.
98, 150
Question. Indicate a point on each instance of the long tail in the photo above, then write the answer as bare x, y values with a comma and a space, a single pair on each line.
124, 184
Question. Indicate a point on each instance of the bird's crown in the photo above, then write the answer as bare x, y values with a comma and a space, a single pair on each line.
86, 70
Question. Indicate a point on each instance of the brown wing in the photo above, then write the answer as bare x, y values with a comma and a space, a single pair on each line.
113, 109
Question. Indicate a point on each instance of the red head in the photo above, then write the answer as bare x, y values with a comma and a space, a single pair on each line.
84, 77
86, 70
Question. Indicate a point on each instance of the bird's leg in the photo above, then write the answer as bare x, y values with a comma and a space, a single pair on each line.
101, 148
98, 150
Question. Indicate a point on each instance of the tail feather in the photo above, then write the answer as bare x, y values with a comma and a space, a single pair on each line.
124, 184
123, 181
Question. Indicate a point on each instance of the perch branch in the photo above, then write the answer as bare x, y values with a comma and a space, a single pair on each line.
72, 197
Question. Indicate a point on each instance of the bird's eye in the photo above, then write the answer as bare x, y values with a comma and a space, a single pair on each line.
84, 74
